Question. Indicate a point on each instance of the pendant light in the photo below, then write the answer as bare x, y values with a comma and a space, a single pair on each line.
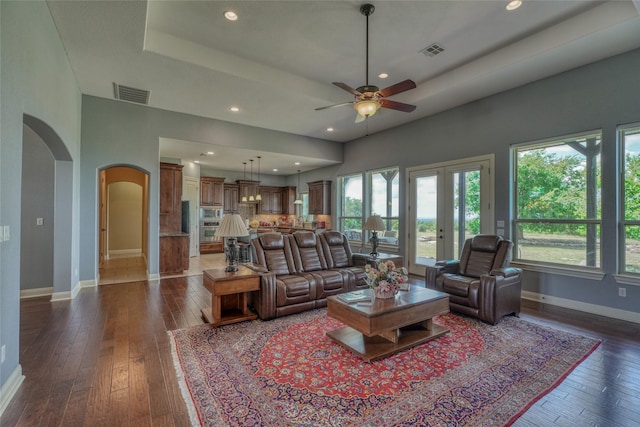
298, 201
244, 197
251, 198
258, 196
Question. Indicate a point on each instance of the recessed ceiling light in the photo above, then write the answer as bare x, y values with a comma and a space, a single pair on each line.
196, 161
297, 163
210, 153
231, 15
275, 170
383, 75
514, 4
234, 109
329, 129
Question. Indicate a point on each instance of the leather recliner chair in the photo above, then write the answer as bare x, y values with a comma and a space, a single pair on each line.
481, 283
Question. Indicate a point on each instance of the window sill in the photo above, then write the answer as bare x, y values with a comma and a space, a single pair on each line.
627, 279
563, 271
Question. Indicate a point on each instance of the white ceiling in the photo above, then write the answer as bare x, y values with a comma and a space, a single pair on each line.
277, 61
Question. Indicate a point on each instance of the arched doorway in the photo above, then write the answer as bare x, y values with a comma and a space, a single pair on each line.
54, 213
123, 224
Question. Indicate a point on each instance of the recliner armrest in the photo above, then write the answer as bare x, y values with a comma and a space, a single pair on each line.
448, 266
505, 272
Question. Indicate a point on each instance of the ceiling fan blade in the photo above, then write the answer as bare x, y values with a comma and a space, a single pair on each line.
395, 105
397, 88
335, 105
347, 88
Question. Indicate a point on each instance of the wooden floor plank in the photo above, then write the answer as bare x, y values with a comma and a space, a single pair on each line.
104, 359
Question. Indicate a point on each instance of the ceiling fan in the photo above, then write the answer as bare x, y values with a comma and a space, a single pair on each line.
368, 97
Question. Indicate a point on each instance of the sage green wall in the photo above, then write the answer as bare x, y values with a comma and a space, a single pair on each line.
37, 80
120, 133
601, 95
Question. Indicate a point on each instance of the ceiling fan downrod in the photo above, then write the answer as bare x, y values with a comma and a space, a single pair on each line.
366, 10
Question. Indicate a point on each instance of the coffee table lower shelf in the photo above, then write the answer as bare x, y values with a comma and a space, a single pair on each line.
378, 347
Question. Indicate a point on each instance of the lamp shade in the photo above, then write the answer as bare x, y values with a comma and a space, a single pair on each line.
232, 225
374, 223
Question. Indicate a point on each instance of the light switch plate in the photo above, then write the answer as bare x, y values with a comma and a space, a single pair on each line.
39, 221
7, 234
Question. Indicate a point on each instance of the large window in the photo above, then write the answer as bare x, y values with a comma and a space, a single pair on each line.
352, 206
382, 189
557, 201
630, 255
385, 202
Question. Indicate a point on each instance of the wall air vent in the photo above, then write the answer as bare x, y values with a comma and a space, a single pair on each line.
432, 50
130, 94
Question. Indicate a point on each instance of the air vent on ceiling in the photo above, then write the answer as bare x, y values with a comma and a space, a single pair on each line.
432, 50
131, 94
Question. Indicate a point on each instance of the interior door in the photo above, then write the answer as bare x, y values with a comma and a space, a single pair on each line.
448, 203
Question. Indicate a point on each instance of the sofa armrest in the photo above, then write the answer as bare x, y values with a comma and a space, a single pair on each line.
360, 260
258, 268
451, 266
264, 300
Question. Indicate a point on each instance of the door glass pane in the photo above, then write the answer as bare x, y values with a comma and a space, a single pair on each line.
466, 208
426, 216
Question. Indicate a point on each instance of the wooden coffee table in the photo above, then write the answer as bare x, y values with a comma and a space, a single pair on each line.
388, 326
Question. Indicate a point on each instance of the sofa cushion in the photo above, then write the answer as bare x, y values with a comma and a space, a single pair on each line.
293, 289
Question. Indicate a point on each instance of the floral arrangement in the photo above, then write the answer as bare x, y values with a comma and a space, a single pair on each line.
386, 278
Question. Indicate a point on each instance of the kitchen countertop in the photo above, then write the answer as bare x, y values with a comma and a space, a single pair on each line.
174, 234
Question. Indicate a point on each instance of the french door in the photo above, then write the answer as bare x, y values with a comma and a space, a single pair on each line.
448, 203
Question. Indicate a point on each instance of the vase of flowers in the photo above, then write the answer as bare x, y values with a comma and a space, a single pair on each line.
386, 280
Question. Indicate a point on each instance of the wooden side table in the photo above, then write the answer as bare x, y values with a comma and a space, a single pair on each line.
368, 259
229, 291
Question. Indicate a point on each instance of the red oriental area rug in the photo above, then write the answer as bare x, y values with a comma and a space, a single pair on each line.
286, 372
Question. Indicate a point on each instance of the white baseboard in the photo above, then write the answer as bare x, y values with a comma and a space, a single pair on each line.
10, 388
125, 252
88, 283
600, 310
153, 276
33, 293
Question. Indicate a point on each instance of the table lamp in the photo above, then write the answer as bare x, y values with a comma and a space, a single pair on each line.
232, 226
374, 223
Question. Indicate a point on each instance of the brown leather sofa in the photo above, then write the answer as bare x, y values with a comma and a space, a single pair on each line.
481, 283
300, 270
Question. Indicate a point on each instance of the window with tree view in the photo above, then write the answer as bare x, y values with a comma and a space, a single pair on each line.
557, 201
351, 210
630, 141
384, 202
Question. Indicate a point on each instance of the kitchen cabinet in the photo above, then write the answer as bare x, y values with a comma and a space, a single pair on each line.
231, 197
319, 197
288, 197
174, 253
170, 198
211, 191
271, 202
247, 188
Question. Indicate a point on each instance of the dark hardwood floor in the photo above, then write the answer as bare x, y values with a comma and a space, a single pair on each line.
104, 359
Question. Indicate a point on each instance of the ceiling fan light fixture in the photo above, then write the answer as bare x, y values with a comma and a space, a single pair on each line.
230, 15
366, 108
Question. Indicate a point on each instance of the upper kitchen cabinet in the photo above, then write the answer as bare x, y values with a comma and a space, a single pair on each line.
170, 197
211, 191
248, 189
271, 202
319, 197
288, 199
231, 197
